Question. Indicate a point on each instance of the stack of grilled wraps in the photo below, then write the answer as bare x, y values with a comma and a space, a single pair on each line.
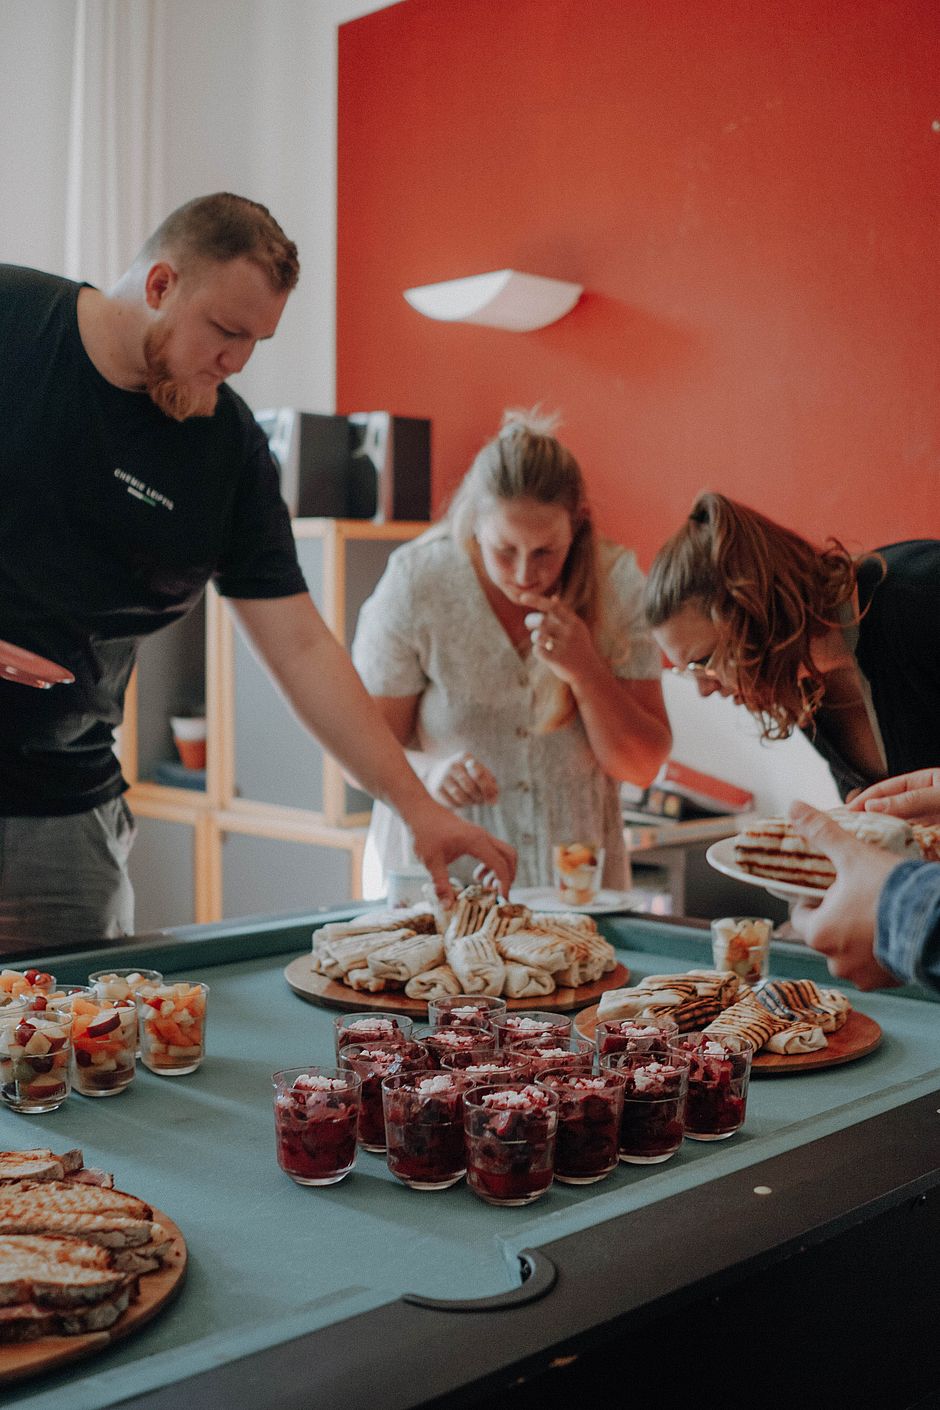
480, 945
72, 1248
774, 849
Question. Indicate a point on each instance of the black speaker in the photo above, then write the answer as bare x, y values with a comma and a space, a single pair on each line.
390, 468
370, 465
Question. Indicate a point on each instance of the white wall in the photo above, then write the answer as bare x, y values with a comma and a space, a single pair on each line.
250, 107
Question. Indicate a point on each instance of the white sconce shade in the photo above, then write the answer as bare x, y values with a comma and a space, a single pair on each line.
503, 299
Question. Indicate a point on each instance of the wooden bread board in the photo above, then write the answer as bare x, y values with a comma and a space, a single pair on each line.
317, 989
31, 1358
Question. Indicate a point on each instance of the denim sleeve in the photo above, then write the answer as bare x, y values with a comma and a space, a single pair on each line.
907, 941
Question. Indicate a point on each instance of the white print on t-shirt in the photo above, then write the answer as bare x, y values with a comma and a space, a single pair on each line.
141, 491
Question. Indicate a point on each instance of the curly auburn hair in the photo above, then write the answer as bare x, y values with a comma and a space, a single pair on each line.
769, 593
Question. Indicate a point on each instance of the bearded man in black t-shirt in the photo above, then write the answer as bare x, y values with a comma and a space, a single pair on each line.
131, 475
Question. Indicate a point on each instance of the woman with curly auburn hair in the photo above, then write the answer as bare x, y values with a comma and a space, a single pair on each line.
846, 649
506, 648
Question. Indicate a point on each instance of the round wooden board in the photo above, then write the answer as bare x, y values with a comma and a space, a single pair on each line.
857, 1036
317, 989
31, 1358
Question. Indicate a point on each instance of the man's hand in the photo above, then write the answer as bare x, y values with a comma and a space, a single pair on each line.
439, 837
842, 925
915, 797
461, 780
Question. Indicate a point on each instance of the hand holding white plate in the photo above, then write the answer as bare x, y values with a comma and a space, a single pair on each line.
720, 855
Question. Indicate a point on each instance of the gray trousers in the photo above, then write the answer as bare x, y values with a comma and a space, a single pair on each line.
64, 882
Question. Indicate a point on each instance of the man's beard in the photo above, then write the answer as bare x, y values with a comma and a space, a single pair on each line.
179, 400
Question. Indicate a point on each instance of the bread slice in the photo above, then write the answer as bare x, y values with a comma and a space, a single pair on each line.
26, 1321
38, 1164
64, 1197
57, 1273
104, 1230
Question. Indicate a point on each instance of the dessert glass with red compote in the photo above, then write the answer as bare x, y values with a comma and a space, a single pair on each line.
510, 1130
530, 1023
654, 1098
481, 1067
589, 1112
465, 1011
719, 1072
537, 1055
424, 1128
316, 1113
616, 1035
440, 1041
367, 1029
372, 1062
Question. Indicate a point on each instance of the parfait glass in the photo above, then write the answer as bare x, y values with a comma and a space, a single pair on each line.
533, 1056
465, 1011
372, 1062
589, 1113
719, 1072
511, 1130
511, 1028
424, 1128
316, 1113
616, 1035
441, 1041
654, 1101
368, 1028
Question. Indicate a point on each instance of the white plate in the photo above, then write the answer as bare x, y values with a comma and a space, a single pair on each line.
720, 855
545, 898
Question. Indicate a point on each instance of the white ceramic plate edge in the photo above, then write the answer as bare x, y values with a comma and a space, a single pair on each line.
720, 855
544, 898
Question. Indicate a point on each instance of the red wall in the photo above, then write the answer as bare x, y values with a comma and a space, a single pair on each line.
748, 193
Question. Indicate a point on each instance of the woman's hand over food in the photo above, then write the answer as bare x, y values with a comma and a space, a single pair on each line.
560, 637
461, 780
915, 797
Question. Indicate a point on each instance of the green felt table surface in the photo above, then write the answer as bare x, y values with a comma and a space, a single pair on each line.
270, 1260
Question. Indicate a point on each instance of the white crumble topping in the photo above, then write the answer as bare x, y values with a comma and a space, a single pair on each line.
317, 1083
431, 1086
372, 1025
654, 1077
529, 1099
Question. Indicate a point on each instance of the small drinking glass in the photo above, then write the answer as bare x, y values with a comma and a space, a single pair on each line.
24, 984
368, 1028
533, 1056
373, 1062
481, 1067
440, 1041
616, 1035
719, 1072
104, 1043
316, 1114
531, 1023
35, 1049
424, 1128
589, 1113
465, 1011
172, 1023
741, 944
578, 868
654, 1103
511, 1130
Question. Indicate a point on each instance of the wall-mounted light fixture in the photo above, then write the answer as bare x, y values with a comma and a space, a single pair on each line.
503, 299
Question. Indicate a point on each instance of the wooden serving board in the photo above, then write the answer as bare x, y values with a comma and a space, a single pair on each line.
31, 1358
857, 1036
317, 989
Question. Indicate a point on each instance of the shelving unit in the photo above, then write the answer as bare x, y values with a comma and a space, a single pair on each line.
275, 826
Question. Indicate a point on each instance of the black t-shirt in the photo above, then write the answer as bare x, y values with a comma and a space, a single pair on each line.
113, 517
898, 650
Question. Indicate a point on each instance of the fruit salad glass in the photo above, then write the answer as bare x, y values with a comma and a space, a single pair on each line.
577, 868
104, 1044
510, 1131
35, 1048
172, 1019
316, 1114
424, 1128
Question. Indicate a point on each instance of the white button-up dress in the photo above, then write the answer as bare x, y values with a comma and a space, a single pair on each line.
428, 630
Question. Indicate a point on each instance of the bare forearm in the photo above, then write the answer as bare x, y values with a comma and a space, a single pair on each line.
630, 740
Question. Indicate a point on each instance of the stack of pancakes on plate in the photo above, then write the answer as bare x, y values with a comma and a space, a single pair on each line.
772, 848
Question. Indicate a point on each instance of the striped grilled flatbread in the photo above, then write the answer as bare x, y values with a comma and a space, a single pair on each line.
405, 958
773, 848
798, 1038
748, 1020
536, 948
504, 919
365, 982
524, 981
436, 983
336, 958
800, 1000
471, 909
574, 920
477, 964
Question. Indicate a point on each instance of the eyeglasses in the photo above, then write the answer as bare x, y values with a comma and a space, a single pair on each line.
702, 667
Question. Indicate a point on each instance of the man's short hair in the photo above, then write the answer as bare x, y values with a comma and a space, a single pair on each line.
224, 227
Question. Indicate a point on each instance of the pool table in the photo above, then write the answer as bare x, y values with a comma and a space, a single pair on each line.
804, 1247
